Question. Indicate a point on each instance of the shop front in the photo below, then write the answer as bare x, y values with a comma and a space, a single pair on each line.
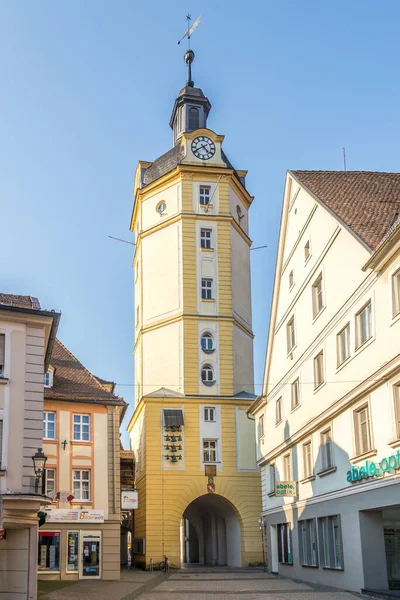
76, 544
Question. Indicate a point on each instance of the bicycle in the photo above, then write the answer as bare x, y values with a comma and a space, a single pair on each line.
164, 565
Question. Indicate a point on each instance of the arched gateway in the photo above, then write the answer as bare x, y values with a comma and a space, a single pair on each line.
211, 533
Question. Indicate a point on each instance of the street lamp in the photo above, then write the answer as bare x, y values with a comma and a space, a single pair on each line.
261, 524
39, 462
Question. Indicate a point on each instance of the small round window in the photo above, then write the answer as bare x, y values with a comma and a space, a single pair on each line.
207, 343
207, 375
239, 213
161, 207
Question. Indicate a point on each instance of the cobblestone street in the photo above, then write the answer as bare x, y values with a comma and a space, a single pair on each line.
198, 584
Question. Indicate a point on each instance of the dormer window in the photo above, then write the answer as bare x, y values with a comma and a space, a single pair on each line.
48, 379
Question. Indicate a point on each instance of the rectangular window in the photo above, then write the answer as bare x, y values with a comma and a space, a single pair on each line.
271, 473
209, 413
362, 428
51, 483
308, 543
81, 428
295, 394
307, 460
396, 293
291, 337
278, 411
49, 426
287, 471
137, 315
72, 551
209, 451
343, 345
261, 427
2, 353
291, 279
363, 325
49, 551
284, 544
205, 238
47, 379
205, 194
317, 297
81, 485
319, 377
330, 542
326, 449
307, 251
206, 289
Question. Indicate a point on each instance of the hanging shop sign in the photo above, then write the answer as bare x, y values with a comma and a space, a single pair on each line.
66, 515
285, 488
373, 469
129, 500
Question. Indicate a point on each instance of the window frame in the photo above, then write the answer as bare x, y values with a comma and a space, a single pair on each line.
81, 424
209, 368
53, 533
307, 251
48, 373
71, 532
209, 450
291, 279
287, 466
326, 553
206, 238
285, 554
324, 463
318, 383
209, 336
395, 293
81, 480
358, 325
52, 479
278, 412
2, 354
207, 288
308, 469
318, 300
306, 542
344, 329
295, 385
291, 335
260, 427
271, 478
358, 444
209, 410
46, 425
203, 197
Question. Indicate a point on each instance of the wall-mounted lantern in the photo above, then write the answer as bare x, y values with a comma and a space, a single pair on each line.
39, 462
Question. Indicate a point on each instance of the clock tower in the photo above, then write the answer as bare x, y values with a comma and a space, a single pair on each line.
199, 487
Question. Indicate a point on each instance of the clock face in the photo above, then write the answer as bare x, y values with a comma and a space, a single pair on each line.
203, 147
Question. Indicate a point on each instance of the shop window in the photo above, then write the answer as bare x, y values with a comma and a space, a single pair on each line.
362, 429
49, 551
285, 544
343, 345
295, 394
330, 542
308, 543
72, 551
363, 325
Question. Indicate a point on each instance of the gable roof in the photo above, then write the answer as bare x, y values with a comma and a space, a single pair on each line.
20, 301
72, 381
366, 201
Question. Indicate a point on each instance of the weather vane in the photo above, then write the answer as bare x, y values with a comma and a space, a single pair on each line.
189, 54
190, 29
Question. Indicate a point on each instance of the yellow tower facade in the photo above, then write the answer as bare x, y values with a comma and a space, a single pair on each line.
199, 487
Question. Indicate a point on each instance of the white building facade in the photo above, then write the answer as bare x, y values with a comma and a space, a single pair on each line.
329, 417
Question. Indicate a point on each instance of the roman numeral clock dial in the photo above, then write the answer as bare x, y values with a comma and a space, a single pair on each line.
203, 147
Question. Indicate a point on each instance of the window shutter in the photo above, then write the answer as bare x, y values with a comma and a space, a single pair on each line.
2, 347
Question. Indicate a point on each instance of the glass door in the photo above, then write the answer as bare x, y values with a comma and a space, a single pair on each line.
90, 555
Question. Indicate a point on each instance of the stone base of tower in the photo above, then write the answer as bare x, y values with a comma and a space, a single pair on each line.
179, 518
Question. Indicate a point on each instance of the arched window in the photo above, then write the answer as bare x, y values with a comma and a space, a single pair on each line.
207, 375
207, 343
194, 118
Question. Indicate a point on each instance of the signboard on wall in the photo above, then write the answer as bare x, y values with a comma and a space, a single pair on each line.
66, 515
285, 488
129, 500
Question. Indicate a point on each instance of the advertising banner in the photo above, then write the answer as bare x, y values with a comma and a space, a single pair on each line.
66, 515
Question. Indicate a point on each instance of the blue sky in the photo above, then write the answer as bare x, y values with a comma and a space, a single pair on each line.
87, 91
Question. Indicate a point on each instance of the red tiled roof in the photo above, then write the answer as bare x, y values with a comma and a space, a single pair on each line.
365, 201
72, 381
20, 301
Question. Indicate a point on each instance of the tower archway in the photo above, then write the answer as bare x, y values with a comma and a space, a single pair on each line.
211, 533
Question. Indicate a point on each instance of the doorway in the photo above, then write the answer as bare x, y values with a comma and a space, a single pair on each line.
212, 533
392, 548
90, 547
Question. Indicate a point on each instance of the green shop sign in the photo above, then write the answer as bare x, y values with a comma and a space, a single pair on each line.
372, 469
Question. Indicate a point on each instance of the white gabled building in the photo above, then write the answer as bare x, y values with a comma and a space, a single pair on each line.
329, 416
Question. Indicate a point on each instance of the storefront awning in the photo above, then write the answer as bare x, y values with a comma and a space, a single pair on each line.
173, 417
